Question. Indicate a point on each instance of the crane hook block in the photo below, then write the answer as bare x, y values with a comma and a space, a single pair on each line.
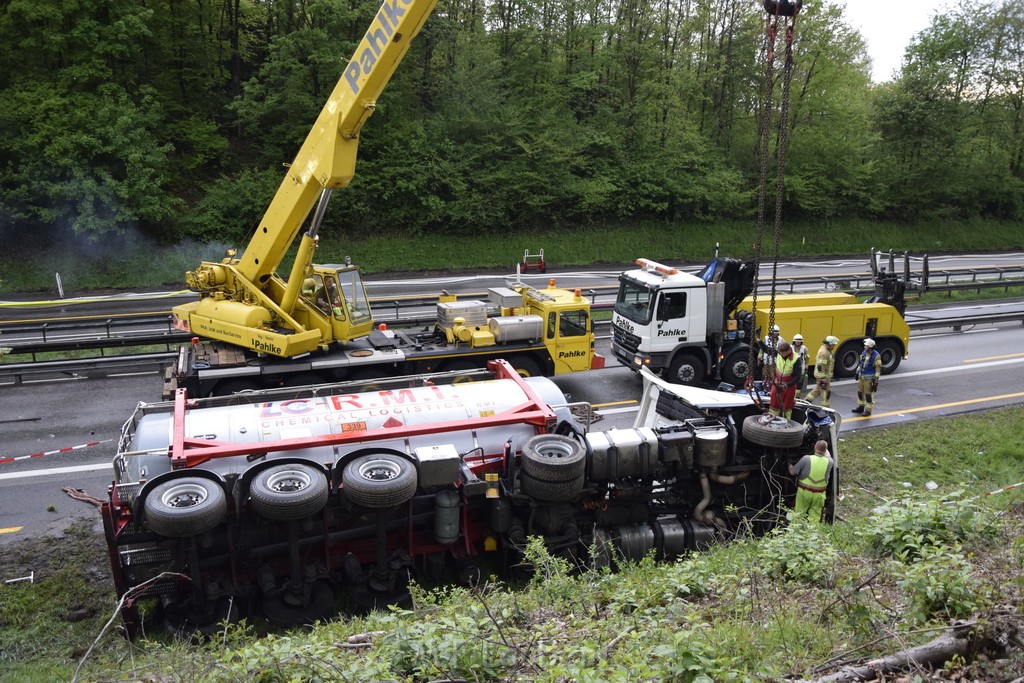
783, 8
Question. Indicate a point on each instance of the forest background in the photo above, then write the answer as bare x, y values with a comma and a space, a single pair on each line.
166, 123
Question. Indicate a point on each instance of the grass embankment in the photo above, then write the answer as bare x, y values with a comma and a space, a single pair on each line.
130, 263
894, 570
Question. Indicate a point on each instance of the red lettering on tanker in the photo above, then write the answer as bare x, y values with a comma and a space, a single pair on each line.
375, 404
298, 406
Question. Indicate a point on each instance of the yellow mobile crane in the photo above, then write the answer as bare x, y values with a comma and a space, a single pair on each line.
242, 300
317, 326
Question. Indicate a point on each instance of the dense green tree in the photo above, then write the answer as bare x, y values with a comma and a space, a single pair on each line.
950, 126
82, 147
176, 118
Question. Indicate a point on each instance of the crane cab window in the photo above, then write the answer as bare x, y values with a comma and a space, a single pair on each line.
355, 299
573, 323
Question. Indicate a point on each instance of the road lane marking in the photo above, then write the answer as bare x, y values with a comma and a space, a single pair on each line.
11, 529
57, 470
981, 360
1019, 394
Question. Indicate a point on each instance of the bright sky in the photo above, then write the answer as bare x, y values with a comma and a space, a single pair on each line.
887, 27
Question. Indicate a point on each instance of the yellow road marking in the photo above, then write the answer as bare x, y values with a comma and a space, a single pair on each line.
11, 529
935, 407
614, 403
979, 360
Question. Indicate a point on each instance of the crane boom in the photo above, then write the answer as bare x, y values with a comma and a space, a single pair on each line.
244, 301
327, 158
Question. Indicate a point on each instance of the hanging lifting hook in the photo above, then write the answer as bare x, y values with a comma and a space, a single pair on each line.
783, 8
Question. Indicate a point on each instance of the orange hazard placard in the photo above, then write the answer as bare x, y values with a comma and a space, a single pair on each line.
353, 427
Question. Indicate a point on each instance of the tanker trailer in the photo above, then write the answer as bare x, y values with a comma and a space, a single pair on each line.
296, 503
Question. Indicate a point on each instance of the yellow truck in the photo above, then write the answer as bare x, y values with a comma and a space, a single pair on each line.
694, 329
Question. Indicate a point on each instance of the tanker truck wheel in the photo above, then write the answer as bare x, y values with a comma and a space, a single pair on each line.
289, 492
379, 480
294, 608
552, 491
185, 507
775, 433
553, 457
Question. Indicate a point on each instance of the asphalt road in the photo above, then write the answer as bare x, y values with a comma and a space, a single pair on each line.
947, 373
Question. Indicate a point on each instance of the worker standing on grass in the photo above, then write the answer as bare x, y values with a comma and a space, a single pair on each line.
869, 369
824, 367
812, 473
788, 368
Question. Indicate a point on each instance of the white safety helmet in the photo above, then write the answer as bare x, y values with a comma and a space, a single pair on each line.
775, 329
798, 338
831, 341
870, 343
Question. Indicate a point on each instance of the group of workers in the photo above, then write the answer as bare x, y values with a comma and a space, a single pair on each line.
787, 368
788, 371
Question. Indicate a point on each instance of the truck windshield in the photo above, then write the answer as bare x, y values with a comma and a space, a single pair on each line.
634, 301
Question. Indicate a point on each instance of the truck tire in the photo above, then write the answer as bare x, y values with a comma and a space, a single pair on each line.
847, 358
891, 355
778, 433
302, 379
736, 366
686, 369
551, 491
187, 506
379, 480
554, 458
288, 492
526, 366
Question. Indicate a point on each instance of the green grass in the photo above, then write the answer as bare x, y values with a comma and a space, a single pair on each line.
892, 573
130, 263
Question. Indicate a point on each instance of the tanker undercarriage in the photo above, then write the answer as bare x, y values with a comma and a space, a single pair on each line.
298, 504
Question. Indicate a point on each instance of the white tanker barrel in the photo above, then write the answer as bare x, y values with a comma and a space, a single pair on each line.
257, 423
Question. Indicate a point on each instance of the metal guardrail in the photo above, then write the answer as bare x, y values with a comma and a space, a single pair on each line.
14, 373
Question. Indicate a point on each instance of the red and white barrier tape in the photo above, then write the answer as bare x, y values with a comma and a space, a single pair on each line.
59, 450
985, 495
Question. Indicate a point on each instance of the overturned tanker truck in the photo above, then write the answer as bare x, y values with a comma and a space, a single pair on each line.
296, 503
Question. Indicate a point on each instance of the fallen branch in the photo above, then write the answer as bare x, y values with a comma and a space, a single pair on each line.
959, 640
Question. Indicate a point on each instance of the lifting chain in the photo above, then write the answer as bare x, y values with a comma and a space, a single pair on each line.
787, 10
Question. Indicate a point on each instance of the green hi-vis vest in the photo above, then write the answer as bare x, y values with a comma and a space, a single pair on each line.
785, 366
816, 480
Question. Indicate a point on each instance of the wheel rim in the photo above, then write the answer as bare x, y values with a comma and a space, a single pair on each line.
740, 369
184, 496
288, 481
554, 450
685, 373
379, 470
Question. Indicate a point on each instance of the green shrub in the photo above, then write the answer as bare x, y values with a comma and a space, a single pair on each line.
940, 585
906, 528
801, 552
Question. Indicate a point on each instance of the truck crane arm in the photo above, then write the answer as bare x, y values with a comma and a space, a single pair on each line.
327, 158
243, 301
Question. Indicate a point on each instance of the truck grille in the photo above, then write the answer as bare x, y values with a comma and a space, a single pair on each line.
628, 341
